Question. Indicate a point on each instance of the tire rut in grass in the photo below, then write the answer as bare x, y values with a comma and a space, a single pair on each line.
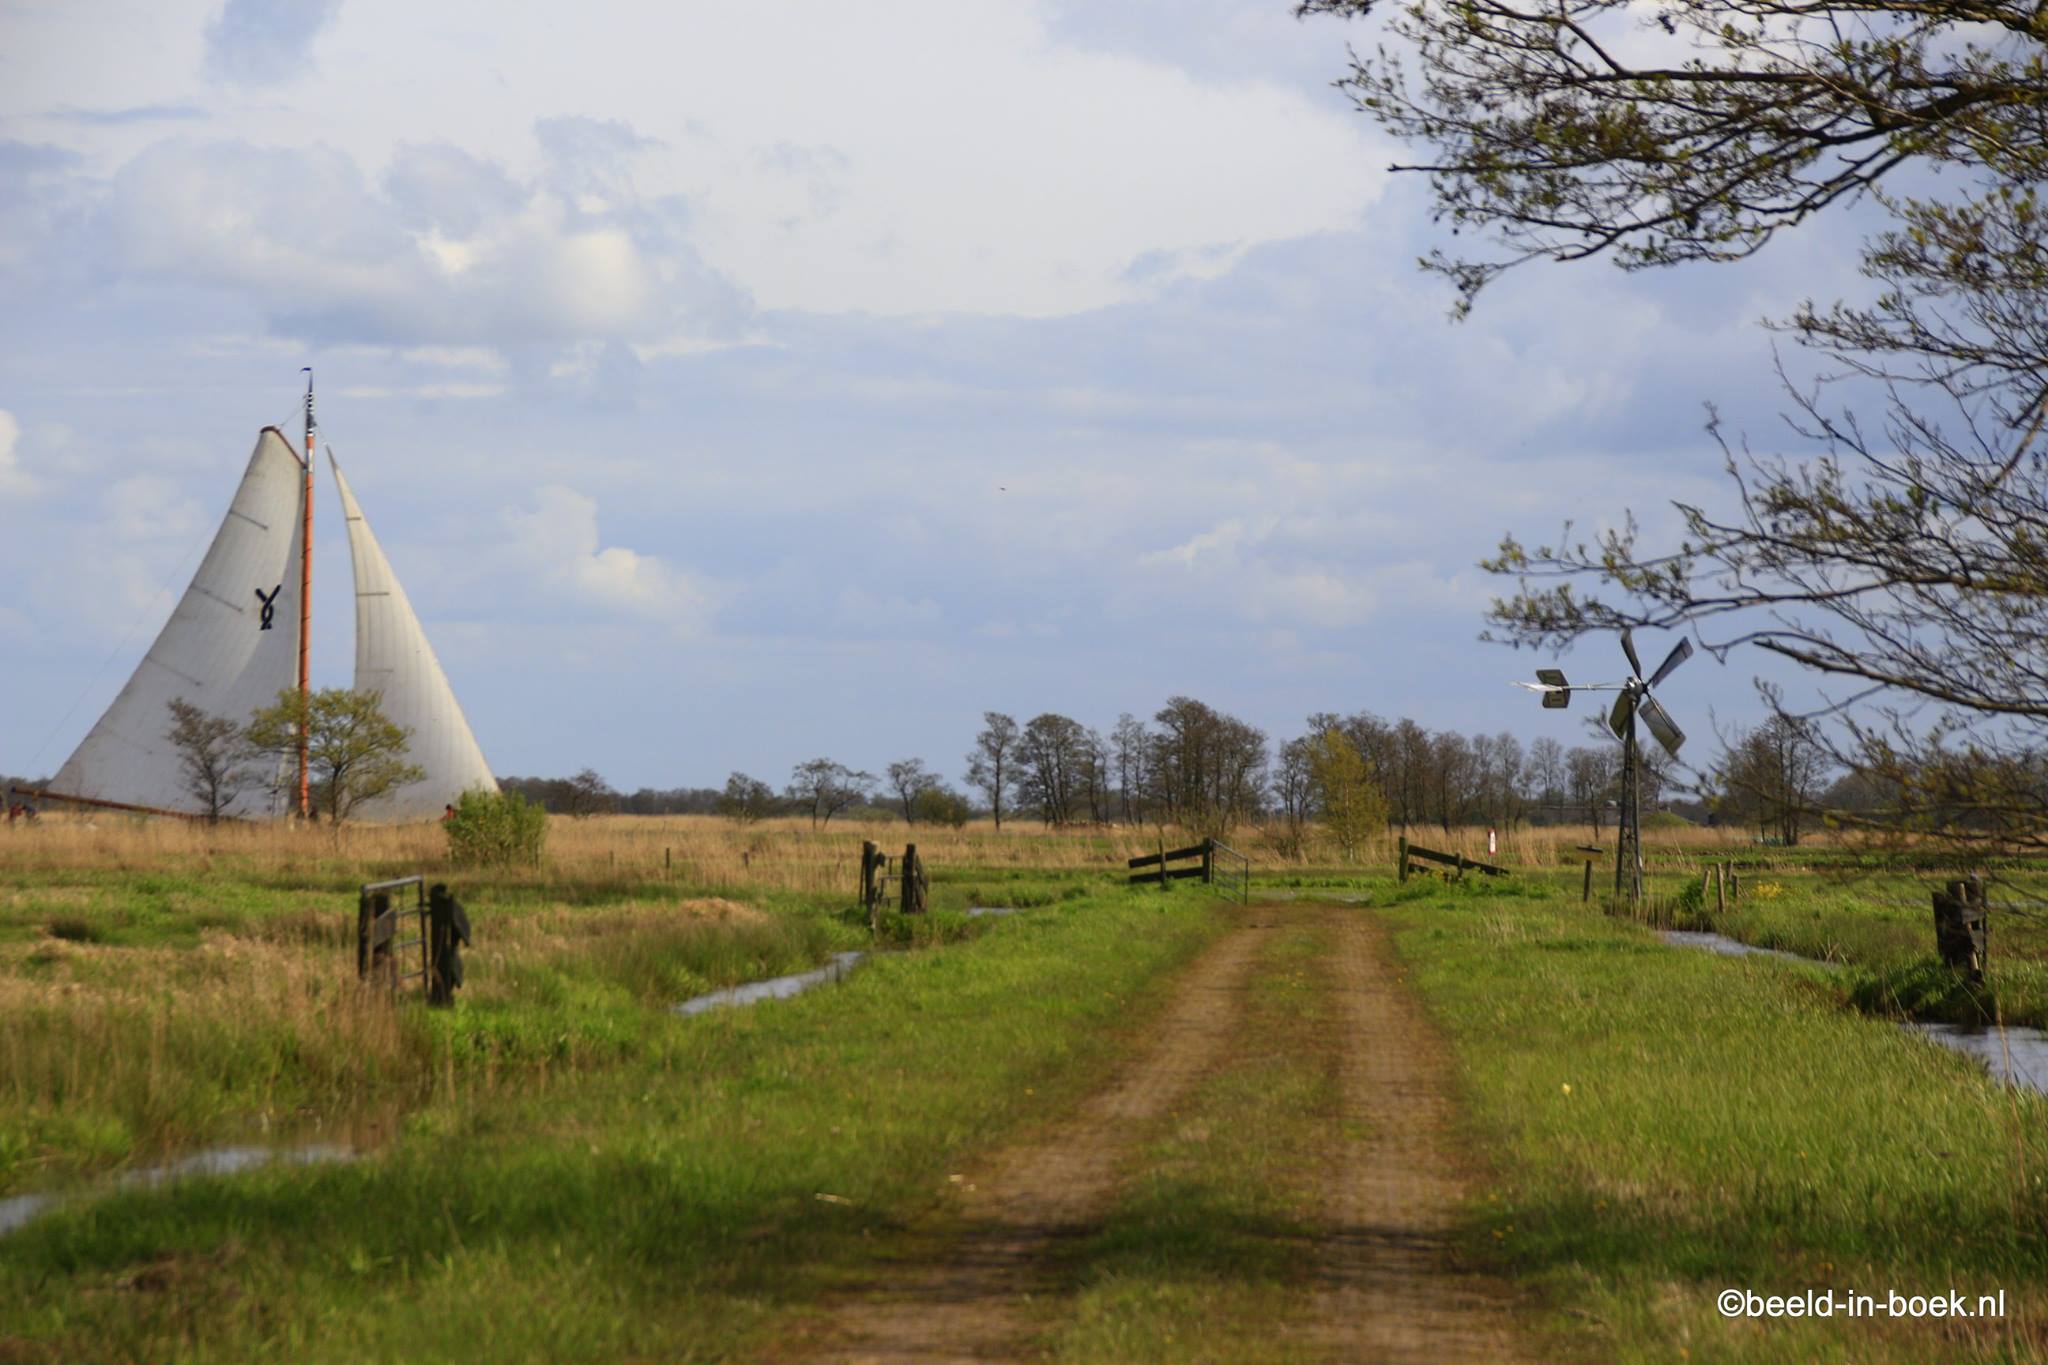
1391, 1288
971, 1298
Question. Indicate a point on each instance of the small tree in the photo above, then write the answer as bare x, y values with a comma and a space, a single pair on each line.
941, 805
988, 763
213, 756
496, 827
355, 752
825, 788
589, 794
909, 780
746, 799
1353, 809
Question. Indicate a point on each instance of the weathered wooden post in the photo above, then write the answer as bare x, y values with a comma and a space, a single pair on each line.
448, 929
1962, 928
870, 883
1586, 890
1720, 890
1402, 848
1208, 862
1461, 865
362, 935
911, 875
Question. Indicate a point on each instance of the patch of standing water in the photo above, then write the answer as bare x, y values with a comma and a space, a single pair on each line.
22, 1209
775, 988
2021, 1058
977, 911
1731, 947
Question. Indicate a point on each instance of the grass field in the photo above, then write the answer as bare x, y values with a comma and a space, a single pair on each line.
561, 1167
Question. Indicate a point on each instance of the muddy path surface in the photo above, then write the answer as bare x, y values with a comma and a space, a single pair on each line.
1385, 1283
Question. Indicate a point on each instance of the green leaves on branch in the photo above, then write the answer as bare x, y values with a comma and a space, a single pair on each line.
354, 752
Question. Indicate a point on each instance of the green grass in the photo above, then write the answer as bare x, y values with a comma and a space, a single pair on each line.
1663, 1124
660, 1199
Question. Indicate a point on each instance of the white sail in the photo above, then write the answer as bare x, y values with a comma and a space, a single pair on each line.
394, 660
225, 649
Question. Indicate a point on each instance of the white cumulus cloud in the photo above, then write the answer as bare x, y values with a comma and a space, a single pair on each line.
558, 539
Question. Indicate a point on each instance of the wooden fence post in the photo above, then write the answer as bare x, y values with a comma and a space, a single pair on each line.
1720, 890
1403, 848
1208, 862
1961, 928
870, 884
1586, 890
362, 935
911, 875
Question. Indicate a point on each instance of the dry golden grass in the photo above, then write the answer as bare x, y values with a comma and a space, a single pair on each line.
112, 1048
785, 855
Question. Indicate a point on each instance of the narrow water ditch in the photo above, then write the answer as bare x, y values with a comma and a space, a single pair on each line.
2016, 1055
774, 988
1733, 947
20, 1210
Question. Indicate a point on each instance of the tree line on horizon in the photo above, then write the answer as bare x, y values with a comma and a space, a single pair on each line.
1195, 767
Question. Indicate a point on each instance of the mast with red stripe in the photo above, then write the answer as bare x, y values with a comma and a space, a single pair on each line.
306, 611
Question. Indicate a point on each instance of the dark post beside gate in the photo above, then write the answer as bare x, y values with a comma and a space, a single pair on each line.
1962, 924
873, 869
447, 935
916, 886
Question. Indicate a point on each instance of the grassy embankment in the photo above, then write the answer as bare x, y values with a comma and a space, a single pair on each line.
660, 1195
164, 984
1663, 1124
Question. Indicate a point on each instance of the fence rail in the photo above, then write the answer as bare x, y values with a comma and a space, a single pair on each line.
1456, 860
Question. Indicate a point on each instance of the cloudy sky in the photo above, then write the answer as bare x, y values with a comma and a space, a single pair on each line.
735, 384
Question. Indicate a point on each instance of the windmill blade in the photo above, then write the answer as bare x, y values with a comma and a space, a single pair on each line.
1628, 647
1624, 708
1671, 661
1668, 734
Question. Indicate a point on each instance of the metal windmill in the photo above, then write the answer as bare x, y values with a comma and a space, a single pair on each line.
1635, 700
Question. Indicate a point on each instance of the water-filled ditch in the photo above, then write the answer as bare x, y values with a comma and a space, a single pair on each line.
2017, 1055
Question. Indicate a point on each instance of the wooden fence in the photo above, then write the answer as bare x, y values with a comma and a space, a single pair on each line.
1456, 860
1210, 852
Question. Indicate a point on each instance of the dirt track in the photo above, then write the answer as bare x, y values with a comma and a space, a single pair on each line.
1392, 1291
1385, 1287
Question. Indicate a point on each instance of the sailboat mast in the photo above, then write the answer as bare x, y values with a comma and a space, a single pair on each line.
306, 610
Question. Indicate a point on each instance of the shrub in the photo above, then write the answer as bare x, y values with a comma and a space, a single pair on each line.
940, 806
496, 827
